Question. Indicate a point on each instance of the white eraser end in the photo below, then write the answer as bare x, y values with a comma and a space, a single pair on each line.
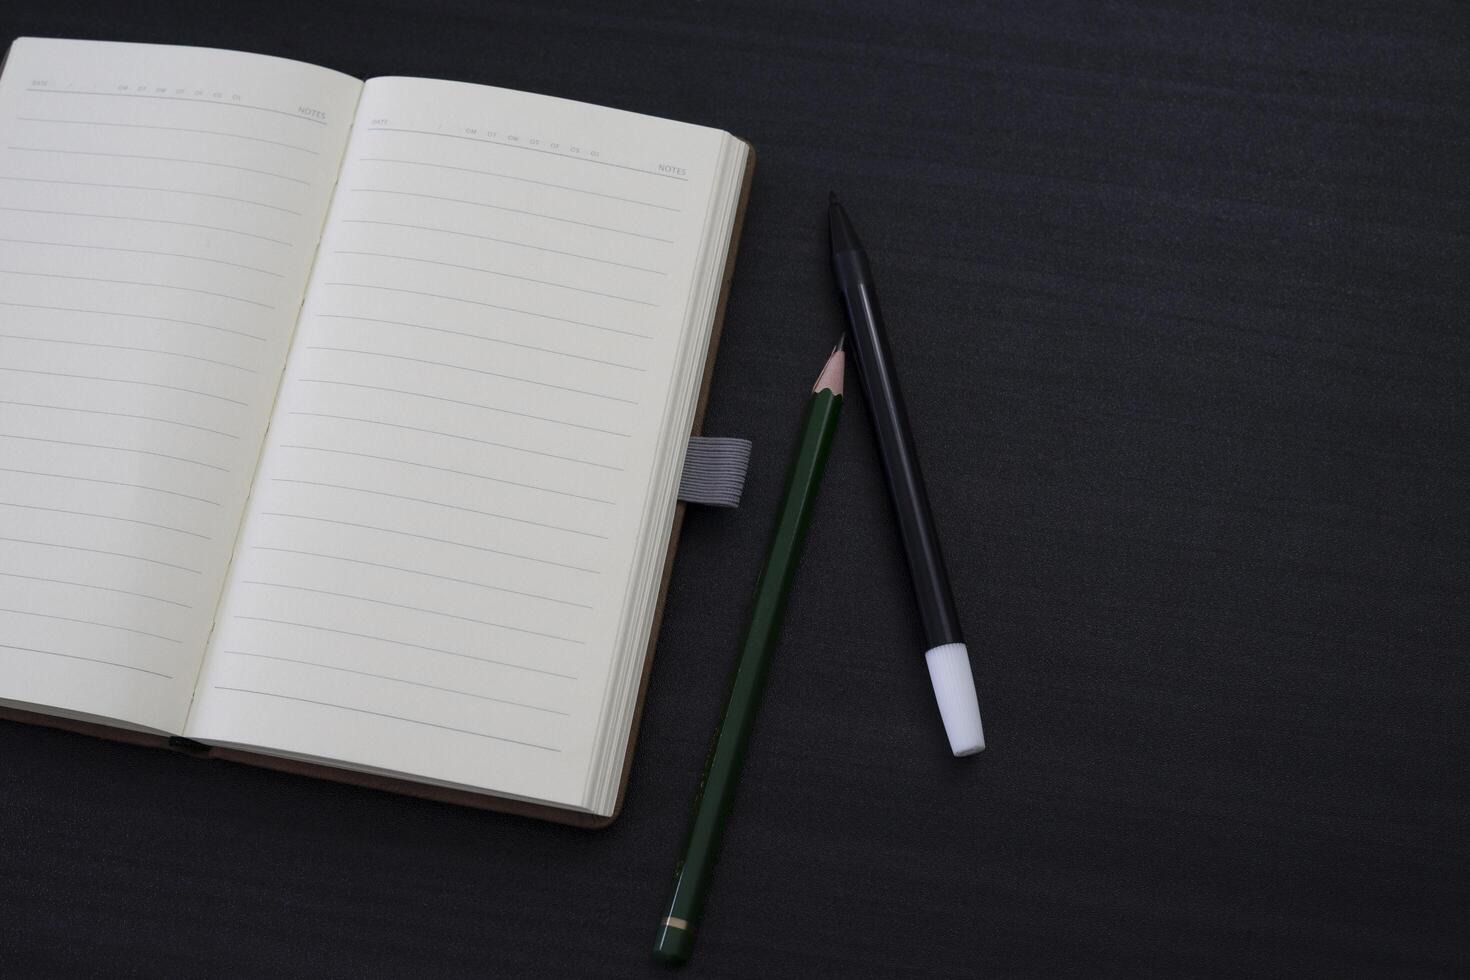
954, 689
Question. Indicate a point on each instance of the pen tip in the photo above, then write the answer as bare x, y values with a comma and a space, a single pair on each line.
831, 197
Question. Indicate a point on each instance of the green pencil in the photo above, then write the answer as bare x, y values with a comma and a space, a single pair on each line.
722, 769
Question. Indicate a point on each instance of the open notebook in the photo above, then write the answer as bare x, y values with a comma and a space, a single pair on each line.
341, 422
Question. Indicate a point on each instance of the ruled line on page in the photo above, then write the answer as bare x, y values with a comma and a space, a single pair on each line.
142, 251
399, 605
462, 367
122, 415
135, 282
114, 483
133, 316
125, 381
139, 350
90, 622
509, 210
120, 449
99, 551
100, 588
175, 129
379, 714
524, 180
438, 503
106, 517
452, 435
494, 272
92, 660
157, 159
426, 537
156, 221
415, 571
532, 149
500, 241
181, 98
408, 646
493, 306
454, 401
445, 469
156, 190
397, 680
488, 340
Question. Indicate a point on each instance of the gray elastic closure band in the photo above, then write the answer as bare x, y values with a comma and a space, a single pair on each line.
714, 471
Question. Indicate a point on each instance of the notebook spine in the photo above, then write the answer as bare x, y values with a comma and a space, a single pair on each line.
187, 745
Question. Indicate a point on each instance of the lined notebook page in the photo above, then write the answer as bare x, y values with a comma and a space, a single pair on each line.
439, 545
159, 208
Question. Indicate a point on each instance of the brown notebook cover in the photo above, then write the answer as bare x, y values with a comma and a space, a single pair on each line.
482, 801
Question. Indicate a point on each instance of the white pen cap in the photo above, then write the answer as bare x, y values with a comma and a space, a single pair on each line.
954, 689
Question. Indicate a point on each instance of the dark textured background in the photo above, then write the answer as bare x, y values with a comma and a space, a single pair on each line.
1180, 298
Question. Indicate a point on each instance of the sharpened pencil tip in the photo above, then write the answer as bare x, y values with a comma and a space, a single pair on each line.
831, 197
832, 371
840, 342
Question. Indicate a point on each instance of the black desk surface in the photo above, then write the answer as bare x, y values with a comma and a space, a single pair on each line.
1180, 300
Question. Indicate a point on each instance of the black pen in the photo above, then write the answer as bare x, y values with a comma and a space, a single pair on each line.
947, 657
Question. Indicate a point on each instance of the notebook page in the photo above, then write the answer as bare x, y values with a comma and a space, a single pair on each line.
439, 545
159, 210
